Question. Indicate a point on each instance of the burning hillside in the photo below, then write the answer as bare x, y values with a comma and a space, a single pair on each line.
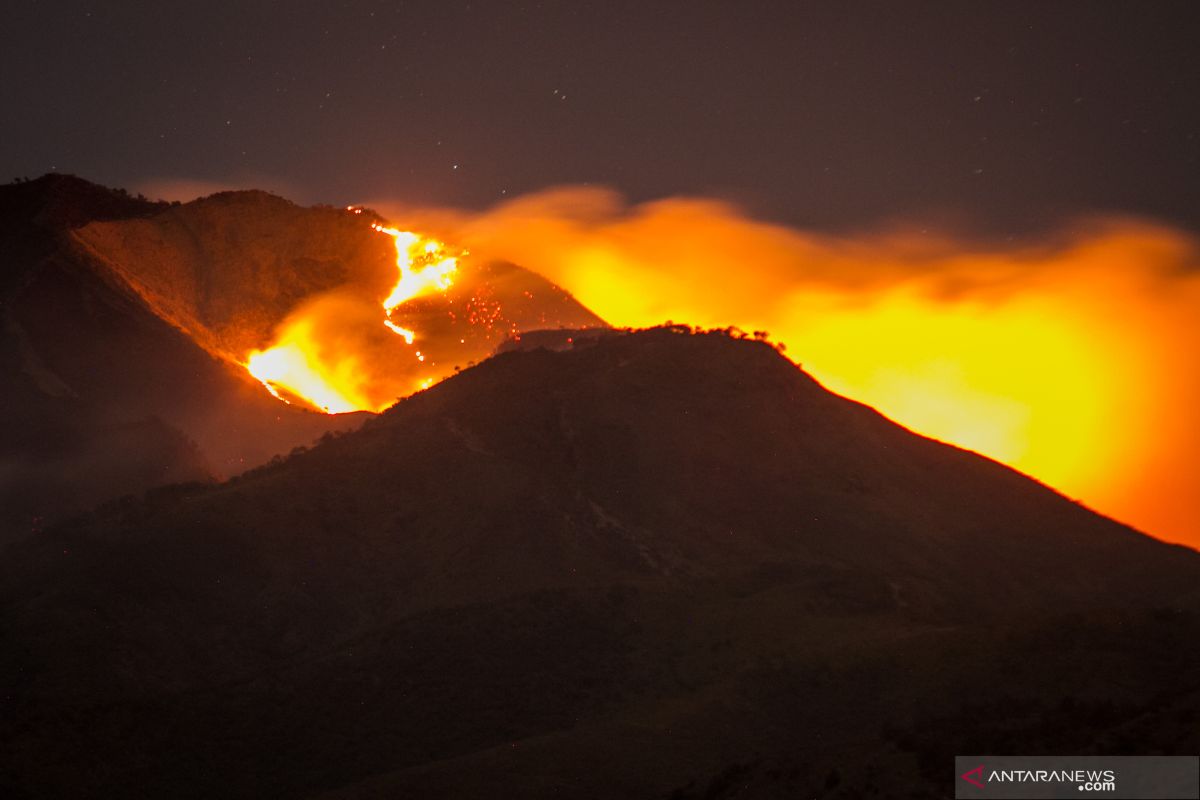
127, 328
331, 309
1047, 355
333, 353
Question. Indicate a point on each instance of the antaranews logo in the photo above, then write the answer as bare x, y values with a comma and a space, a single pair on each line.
1089, 780
1133, 777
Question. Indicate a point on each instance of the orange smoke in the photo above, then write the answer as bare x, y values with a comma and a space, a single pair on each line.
1073, 359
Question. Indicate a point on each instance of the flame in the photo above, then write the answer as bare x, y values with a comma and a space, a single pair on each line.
290, 364
424, 268
305, 364
409, 336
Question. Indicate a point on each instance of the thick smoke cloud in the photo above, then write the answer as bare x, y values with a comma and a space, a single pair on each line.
1073, 357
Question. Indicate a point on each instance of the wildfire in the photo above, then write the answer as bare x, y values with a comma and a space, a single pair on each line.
289, 366
302, 363
424, 268
1070, 358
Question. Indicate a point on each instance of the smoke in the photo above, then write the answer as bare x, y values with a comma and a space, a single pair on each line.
1072, 358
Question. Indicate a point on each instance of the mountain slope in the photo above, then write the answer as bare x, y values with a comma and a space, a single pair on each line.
124, 325
228, 268
234, 269
653, 563
102, 397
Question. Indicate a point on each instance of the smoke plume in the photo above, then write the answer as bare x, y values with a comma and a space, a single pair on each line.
1072, 357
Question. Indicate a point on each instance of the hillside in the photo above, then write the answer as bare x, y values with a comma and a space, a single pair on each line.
228, 268
657, 564
102, 396
125, 325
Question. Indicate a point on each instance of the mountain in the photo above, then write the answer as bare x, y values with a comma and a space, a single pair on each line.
228, 268
657, 564
126, 323
102, 395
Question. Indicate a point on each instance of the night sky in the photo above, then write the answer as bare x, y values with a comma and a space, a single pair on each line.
1004, 117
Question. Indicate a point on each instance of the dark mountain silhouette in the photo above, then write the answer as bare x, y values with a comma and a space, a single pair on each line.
659, 564
125, 323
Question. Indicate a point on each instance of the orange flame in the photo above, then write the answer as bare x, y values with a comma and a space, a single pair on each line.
424, 268
300, 363
290, 366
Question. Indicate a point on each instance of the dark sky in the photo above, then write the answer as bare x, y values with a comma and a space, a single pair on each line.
1003, 116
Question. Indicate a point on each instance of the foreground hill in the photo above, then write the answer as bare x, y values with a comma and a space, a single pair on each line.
651, 565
